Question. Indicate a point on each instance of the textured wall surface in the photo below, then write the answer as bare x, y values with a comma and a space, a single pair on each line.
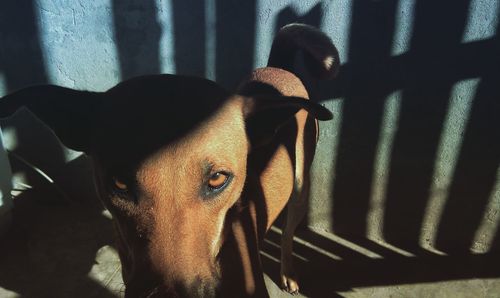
411, 160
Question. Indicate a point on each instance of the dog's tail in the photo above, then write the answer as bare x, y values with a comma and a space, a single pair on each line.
320, 54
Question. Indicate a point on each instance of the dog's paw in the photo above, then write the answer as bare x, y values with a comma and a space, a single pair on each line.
289, 283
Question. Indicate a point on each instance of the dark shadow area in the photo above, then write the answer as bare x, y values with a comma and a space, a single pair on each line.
235, 31
21, 58
30, 133
495, 245
189, 32
137, 36
53, 242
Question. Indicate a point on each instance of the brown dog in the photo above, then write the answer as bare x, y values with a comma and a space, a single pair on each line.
193, 175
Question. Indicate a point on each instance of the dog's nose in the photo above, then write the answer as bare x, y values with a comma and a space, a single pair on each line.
199, 288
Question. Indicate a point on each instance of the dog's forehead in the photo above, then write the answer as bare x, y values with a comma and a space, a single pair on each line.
177, 170
220, 134
165, 97
149, 114
219, 143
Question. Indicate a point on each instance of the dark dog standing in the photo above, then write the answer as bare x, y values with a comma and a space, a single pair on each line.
194, 175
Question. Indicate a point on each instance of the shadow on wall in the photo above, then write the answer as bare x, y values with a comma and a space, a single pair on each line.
424, 78
21, 59
137, 36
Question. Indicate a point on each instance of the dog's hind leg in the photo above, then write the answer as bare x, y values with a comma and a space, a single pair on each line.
296, 210
298, 203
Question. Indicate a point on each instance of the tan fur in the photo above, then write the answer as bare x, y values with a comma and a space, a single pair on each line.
183, 221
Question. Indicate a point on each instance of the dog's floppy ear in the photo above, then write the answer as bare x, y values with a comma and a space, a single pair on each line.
266, 114
67, 112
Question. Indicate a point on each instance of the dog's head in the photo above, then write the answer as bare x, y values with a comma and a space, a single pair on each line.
170, 158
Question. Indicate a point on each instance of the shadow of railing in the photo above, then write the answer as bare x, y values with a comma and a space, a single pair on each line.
351, 266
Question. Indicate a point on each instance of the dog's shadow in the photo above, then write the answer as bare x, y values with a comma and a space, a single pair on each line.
59, 246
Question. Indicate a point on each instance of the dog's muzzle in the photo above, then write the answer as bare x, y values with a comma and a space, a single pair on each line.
196, 289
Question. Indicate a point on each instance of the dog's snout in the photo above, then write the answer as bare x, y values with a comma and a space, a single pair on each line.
198, 288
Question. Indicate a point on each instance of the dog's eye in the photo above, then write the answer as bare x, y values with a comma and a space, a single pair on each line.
120, 185
218, 180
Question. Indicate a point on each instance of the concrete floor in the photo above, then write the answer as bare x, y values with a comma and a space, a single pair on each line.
62, 246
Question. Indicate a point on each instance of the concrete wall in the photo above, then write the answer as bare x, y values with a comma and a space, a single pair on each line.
412, 157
